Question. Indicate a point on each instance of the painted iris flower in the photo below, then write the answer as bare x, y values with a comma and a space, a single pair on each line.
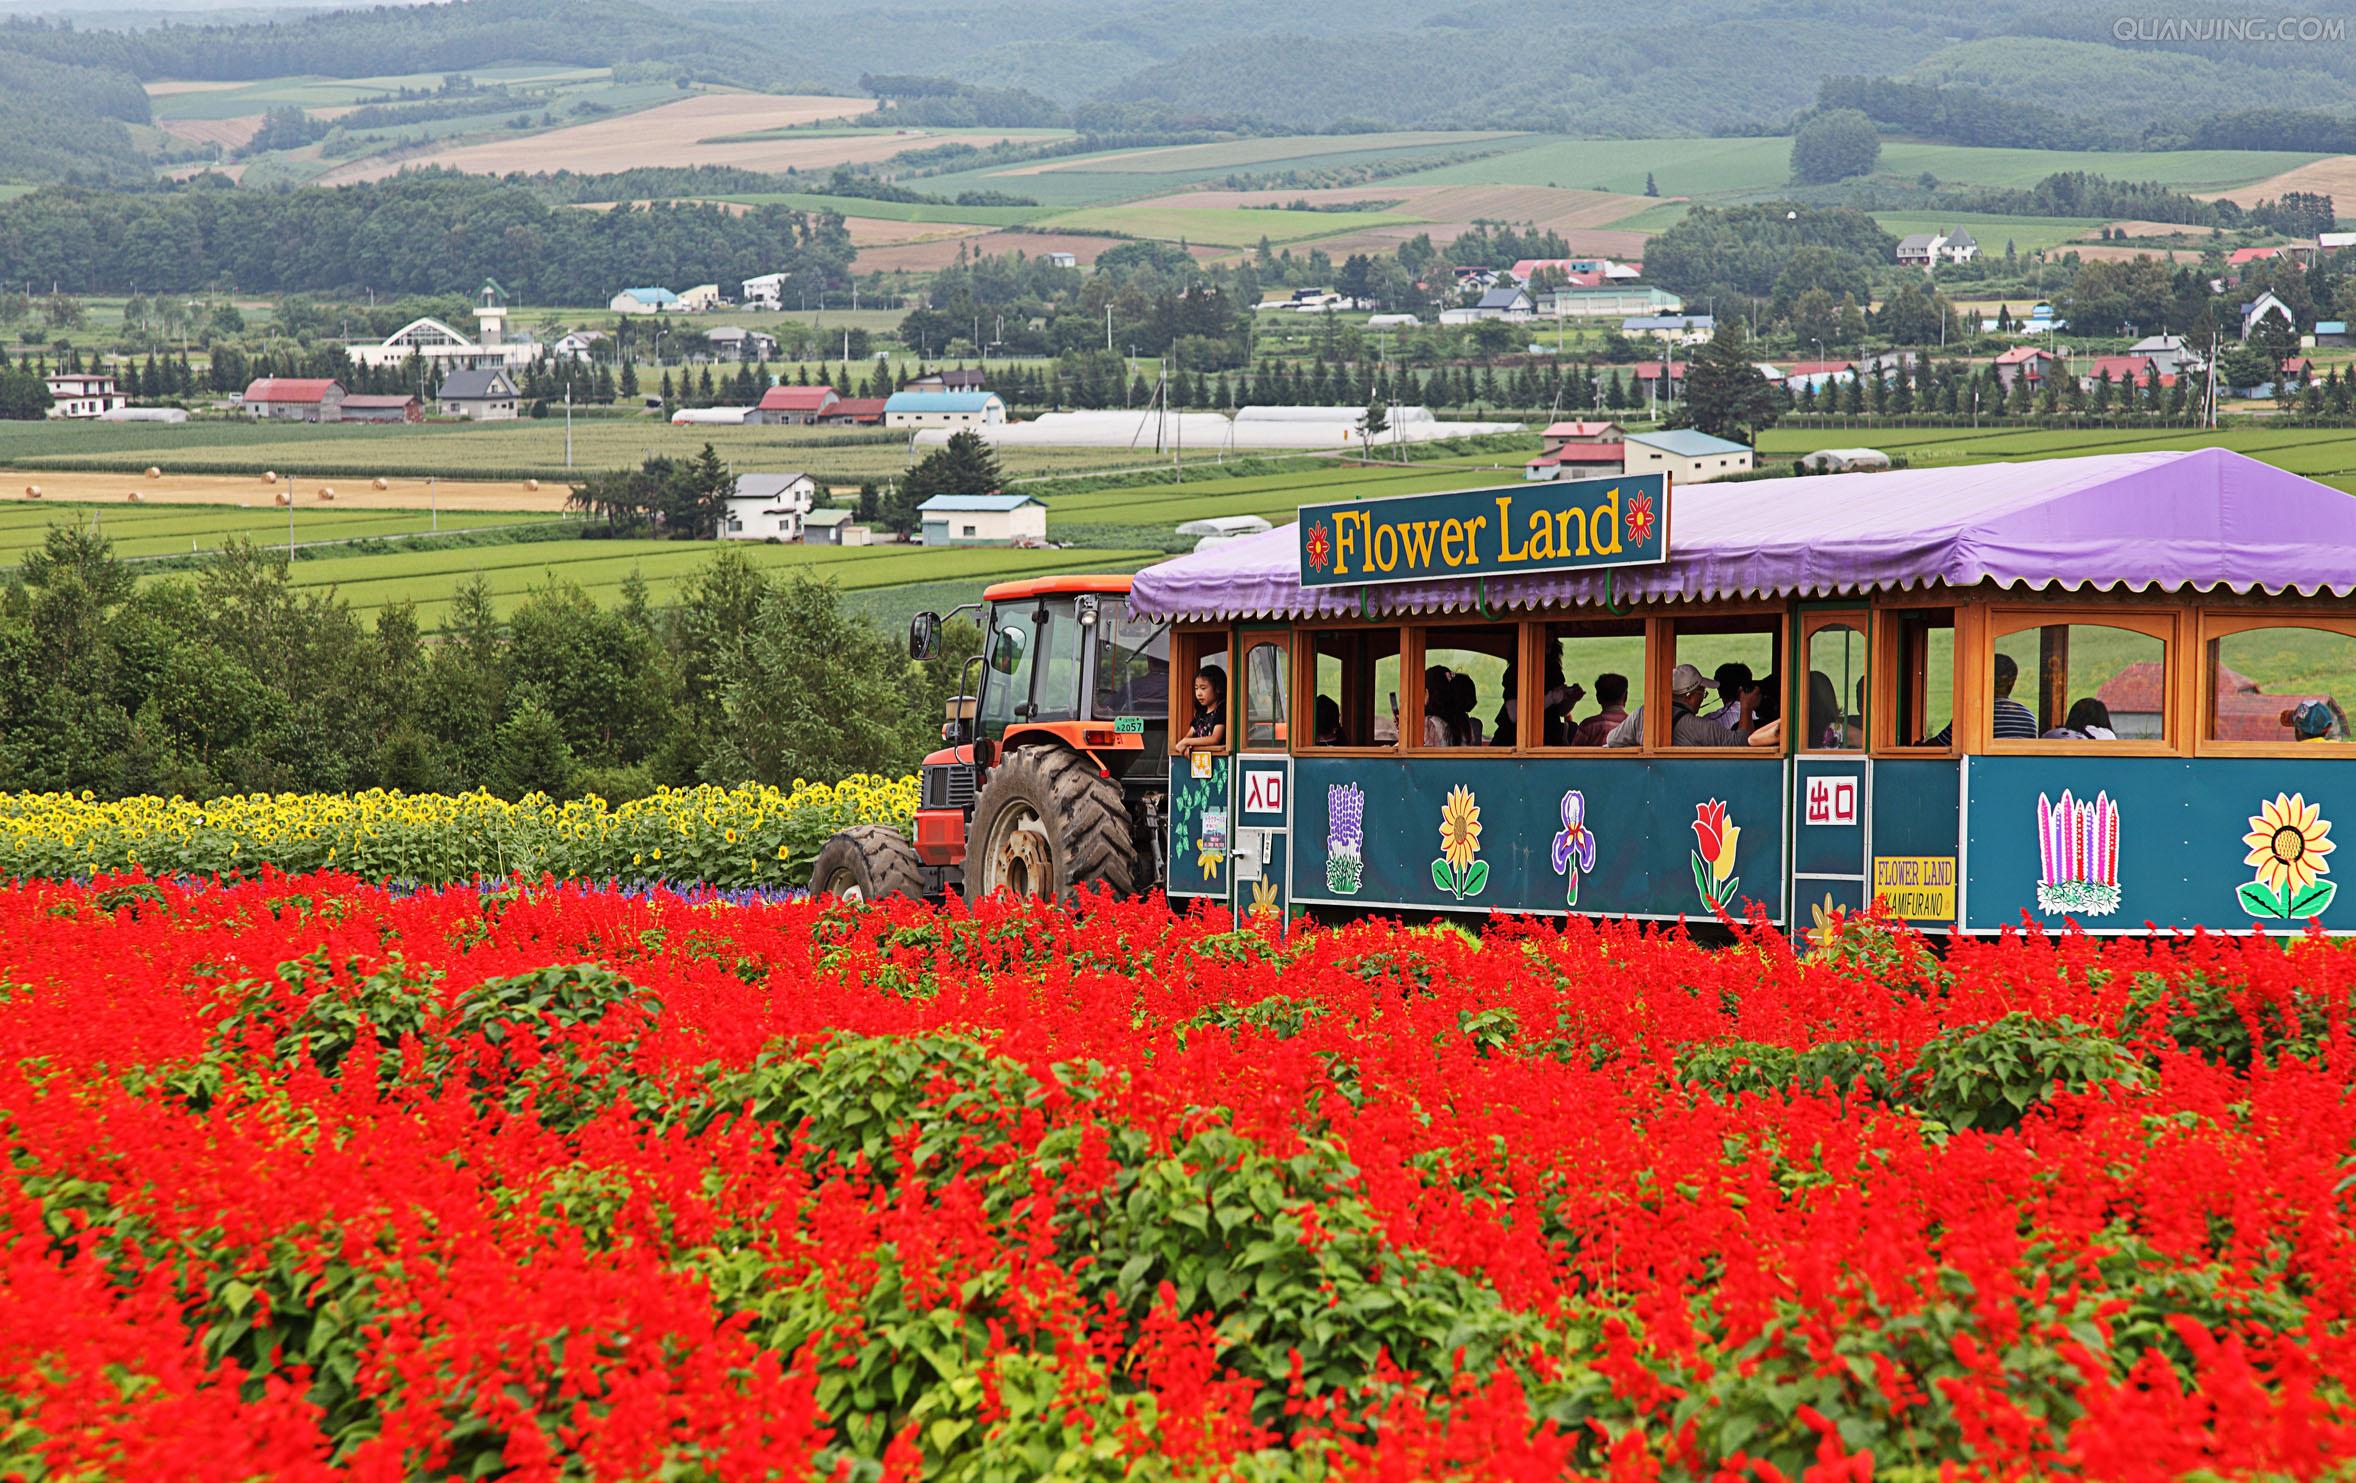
1574, 847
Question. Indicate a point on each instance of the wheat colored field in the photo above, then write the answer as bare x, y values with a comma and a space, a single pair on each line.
1444, 211
2333, 175
251, 493
672, 134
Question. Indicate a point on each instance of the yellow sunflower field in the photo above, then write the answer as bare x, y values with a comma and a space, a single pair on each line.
753, 835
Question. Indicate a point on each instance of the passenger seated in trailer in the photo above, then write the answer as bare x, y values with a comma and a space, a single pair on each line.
1738, 702
2012, 721
1208, 731
1688, 727
2089, 720
2316, 720
1438, 696
1328, 731
1611, 693
1827, 728
1463, 695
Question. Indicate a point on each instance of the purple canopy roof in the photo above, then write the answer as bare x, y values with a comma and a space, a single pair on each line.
2200, 518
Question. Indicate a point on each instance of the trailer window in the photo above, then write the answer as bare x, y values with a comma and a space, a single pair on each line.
1741, 690
1469, 681
1198, 655
2076, 682
1922, 703
1354, 687
2279, 684
1266, 683
1832, 708
1593, 682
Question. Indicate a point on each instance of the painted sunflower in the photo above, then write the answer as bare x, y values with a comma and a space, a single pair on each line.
1460, 829
2288, 839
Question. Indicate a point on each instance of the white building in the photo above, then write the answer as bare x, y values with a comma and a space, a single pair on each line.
769, 507
478, 396
983, 520
951, 409
1061, 259
1927, 249
84, 395
580, 345
445, 349
1686, 456
701, 299
644, 301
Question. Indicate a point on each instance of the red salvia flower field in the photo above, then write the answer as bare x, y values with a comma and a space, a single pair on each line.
311, 1179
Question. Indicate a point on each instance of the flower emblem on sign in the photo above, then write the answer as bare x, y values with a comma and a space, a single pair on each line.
2288, 839
1319, 547
1459, 871
1574, 847
1714, 836
1638, 520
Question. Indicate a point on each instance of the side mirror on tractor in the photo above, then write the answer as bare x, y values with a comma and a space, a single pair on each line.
924, 630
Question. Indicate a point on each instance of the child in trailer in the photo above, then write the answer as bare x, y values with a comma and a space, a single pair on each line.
1208, 731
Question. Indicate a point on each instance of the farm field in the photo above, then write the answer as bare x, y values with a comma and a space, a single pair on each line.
506, 451
1122, 176
326, 97
110, 492
151, 530
2026, 233
1588, 220
2328, 174
910, 211
1715, 168
680, 133
1229, 228
430, 579
2325, 454
1387, 1201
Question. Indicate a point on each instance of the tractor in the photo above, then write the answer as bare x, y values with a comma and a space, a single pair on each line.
1055, 773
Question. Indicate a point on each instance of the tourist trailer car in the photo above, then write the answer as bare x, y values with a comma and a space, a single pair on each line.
2199, 599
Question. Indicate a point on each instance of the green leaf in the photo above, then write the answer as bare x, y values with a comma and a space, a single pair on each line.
2258, 901
1442, 879
2312, 901
1701, 879
1475, 878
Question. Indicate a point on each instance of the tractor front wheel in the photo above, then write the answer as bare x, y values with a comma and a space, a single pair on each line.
1047, 823
868, 862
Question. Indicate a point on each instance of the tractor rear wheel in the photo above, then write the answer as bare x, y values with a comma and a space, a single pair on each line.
1047, 823
868, 862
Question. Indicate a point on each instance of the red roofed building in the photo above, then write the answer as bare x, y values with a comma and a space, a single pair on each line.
1578, 461
1562, 433
854, 411
795, 404
2025, 363
2298, 369
1648, 373
2136, 694
295, 399
2241, 255
2120, 370
1822, 368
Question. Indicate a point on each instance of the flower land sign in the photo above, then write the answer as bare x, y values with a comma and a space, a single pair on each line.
1555, 526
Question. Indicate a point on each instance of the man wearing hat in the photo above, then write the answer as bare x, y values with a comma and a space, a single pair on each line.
1687, 688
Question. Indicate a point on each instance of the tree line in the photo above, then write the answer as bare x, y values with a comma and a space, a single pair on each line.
230, 679
427, 232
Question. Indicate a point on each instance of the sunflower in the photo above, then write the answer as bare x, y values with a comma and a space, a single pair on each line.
1460, 829
2288, 839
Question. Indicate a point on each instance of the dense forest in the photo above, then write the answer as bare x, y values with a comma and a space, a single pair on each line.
2013, 72
228, 679
420, 233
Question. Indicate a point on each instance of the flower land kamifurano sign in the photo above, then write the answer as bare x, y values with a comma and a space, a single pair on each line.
1487, 532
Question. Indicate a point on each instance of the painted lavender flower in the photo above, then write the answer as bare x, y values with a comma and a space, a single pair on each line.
1345, 839
2078, 852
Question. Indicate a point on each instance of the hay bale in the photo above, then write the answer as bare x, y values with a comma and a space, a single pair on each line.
135, 496
32, 491
533, 485
269, 476
380, 482
327, 491
284, 498
153, 472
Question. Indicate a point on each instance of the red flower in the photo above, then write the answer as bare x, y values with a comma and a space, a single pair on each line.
1709, 828
1318, 547
1638, 520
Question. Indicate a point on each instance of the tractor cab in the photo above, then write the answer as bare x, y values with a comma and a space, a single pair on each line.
1054, 768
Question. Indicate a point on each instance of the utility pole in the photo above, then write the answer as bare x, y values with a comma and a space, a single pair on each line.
568, 422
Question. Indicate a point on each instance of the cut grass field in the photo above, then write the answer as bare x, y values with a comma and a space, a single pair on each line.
1228, 228
1731, 168
432, 579
1240, 153
328, 96
853, 206
2026, 233
2324, 454
179, 530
